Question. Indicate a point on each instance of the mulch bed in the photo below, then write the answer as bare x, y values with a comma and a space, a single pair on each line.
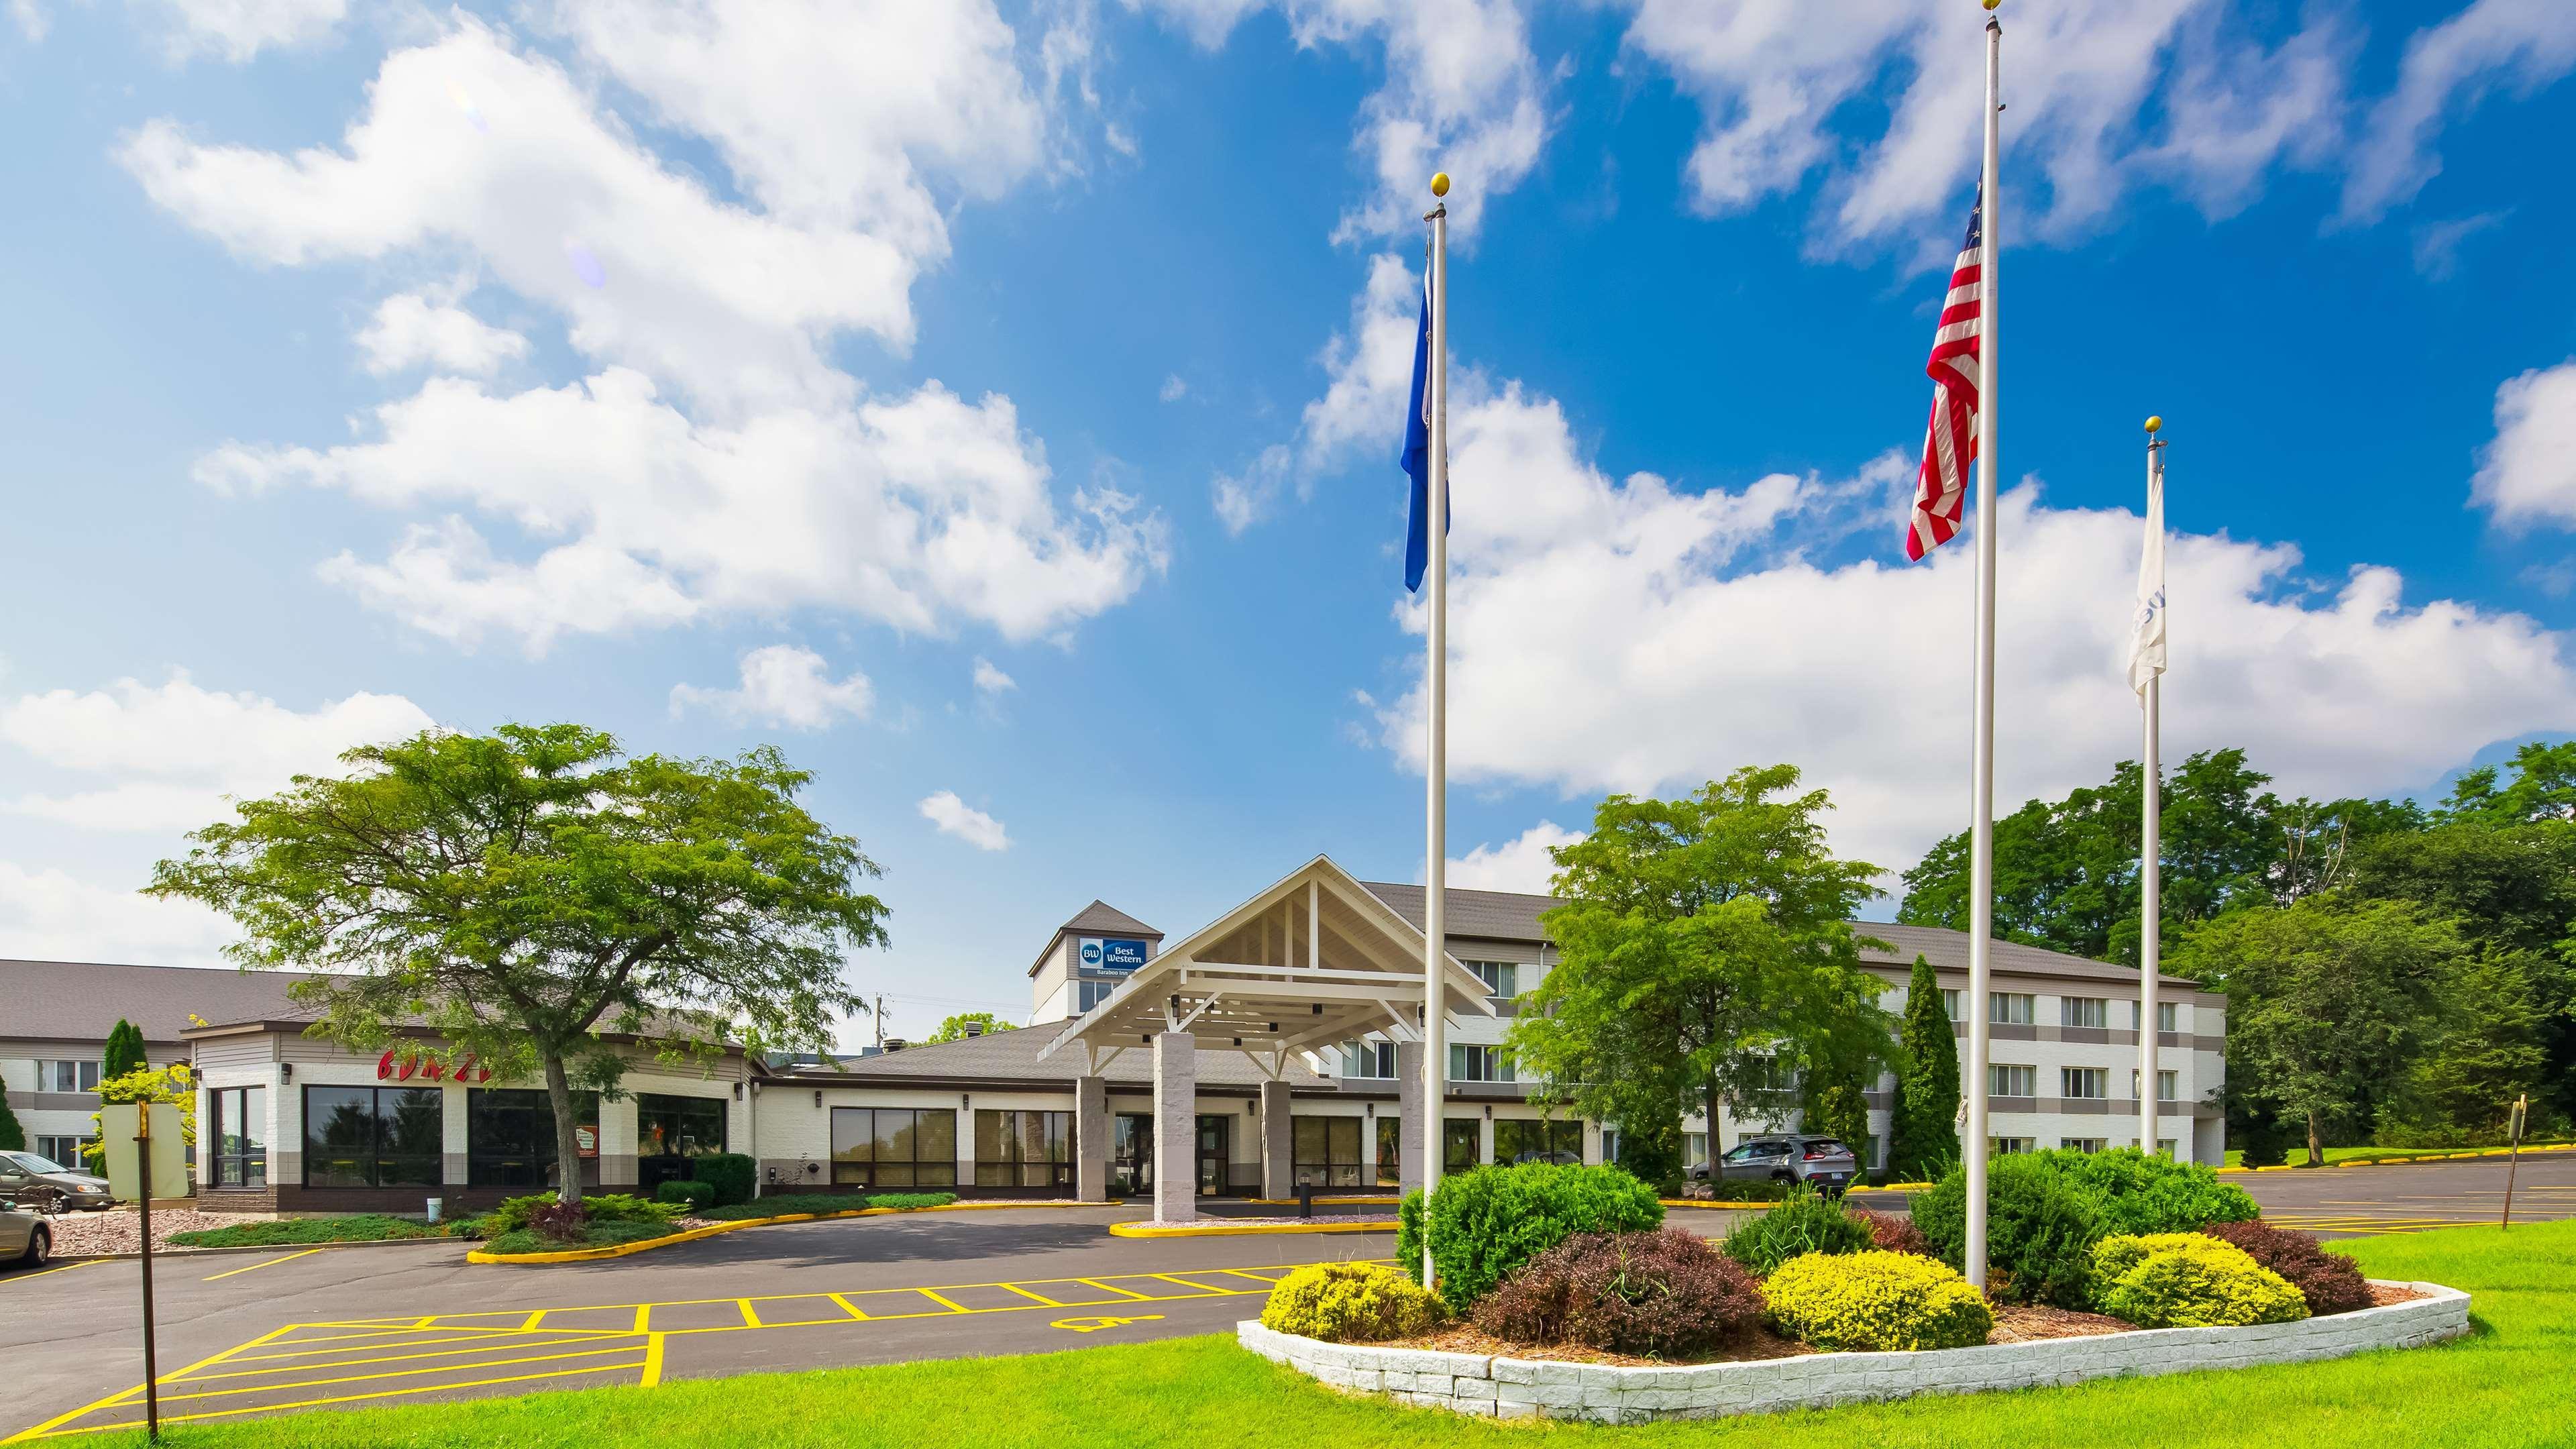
1760, 1344
2030, 1322
2383, 1294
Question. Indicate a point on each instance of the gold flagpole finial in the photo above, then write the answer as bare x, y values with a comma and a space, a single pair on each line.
1991, 4
2155, 425
1440, 183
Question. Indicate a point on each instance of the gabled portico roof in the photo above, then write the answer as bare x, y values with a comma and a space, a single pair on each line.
1311, 960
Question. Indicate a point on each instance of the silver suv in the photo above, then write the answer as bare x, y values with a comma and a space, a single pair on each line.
1823, 1163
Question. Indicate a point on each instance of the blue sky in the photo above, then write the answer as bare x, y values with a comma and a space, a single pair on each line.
997, 408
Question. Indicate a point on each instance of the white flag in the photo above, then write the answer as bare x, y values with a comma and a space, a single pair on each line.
2147, 641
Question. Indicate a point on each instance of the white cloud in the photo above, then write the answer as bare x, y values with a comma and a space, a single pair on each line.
2521, 45
1521, 863
1244, 498
411, 330
2437, 244
785, 685
239, 29
990, 680
955, 817
49, 915
171, 752
31, 20
2528, 474
1174, 389
1368, 369
1673, 636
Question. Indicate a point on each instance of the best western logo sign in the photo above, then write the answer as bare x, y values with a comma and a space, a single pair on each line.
1098, 953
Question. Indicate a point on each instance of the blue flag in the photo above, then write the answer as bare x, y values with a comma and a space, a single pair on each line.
1417, 456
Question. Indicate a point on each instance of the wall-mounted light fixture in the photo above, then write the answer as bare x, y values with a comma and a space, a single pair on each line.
286, 1071
737, 1091
1489, 1111
818, 1096
965, 1100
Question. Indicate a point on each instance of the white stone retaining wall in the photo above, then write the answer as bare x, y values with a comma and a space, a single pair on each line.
1522, 1388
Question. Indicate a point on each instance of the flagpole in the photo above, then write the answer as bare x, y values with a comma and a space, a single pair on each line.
1435, 1065
1981, 850
2151, 844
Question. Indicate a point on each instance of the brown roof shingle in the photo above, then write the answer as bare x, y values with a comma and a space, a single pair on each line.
82, 1000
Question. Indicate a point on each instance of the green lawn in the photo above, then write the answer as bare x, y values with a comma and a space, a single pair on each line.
356, 1228
2299, 1155
2507, 1385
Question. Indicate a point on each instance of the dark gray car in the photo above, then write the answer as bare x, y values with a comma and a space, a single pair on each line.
41, 1182
1823, 1163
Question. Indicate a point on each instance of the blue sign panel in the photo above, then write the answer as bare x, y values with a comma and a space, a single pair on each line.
1097, 954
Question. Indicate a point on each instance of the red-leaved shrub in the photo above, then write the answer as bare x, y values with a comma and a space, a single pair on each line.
1661, 1294
2331, 1282
562, 1221
1894, 1233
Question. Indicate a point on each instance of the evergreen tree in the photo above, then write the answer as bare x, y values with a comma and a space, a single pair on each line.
124, 1050
13, 1138
1922, 1131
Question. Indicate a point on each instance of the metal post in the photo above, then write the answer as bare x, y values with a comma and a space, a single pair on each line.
2151, 861
143, 1190
1435, 1058
1981, 856
2513, 1162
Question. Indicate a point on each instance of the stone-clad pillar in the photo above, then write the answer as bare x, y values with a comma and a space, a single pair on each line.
1091, 1138
1176, 1126
1408, 1079
1278, 1160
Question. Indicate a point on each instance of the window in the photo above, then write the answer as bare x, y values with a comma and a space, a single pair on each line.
671, 1130
510, 1137
373, 1136
1768, 1075
2006, 1146
1609, 1144
1372, 1059
1390, 1151
1088, 994
2011, 1008
1131, 1153
1023, 1149
2164, 1016
1694, 1150
61, 1151
894, 1146
67, 1076
2086, 1082
2011, 1081
2083, 1144
1479, 1064
1326, 1150
2083, 1011
1527, 1139
238, 1128
1462, 1145
2164, 1085
1501, 978
2164, 1146
1950, 1003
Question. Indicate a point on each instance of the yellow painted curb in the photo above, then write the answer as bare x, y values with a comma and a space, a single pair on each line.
1222, 1229
620, 1250
1707, 1206
1354, 1201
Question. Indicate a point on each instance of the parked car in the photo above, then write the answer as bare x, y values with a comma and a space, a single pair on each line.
1823, 1163
41, 1182
25, 1238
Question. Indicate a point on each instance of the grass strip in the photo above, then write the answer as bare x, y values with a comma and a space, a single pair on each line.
824, 1202
358, 1228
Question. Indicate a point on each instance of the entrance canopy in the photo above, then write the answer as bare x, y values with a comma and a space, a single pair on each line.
1311, 961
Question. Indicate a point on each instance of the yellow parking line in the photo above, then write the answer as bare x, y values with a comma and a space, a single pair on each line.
950, 1304
1033, 1297
341, 1399
1113, 1288
129, 1395
460, 1345
271, 1263
847, 1306
67, 1267
652, 1363
749, 1318
169, 1397
533, 1320
305, 1367
1186, 1283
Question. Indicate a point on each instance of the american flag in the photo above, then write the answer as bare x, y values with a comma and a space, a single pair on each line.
1950, 438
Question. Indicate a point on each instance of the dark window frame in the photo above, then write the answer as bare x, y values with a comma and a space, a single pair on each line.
376, 1158
231, 1165
1450, 1136
485, 1161
1010, 1166
1319, 1154
1390, 1151
877, 1171
1552, 1135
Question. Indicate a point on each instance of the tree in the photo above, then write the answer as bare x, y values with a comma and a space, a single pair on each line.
524, 893
1923, 1133
1707, 948
173, 1084
2543, 788
124, 1049
13, 1138
954, 1028
2324, 996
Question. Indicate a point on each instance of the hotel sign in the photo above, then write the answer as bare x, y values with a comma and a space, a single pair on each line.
1098, 953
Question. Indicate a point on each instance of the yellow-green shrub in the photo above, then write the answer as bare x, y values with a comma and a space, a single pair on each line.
2188, 1280
1876, 1300
1351, 1303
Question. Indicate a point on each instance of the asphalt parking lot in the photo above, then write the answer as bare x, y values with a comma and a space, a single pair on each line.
252, 1333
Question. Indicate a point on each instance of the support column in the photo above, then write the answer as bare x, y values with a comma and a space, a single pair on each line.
1278, 1160
1408, 1075
1176, 1126
1091, 1138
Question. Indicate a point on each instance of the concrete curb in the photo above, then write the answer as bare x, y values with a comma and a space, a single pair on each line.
691, 1235
1511, 1388
2465, 1155
1221, 1229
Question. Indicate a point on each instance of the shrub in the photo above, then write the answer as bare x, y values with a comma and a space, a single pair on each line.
564, 1222
519, 1214
1894, 1233
1350, 1303
1485, 1223
1803, 1223
686, 1194
2142, 1193
1876, 1300
1665, 1294
2040, 1228
732, 1173
1745, 1189
2330, 1282
2188, 1280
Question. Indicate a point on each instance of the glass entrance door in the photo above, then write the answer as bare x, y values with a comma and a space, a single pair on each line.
1214, 1135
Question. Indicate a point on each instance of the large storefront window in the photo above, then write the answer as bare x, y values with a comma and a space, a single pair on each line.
899, 1147
1023, 1149
373, 1136
1131, 1154
669, 1131
1461, 1146
1390, 1151
1525, 1140
239, 1132
1327, 1150
510, 1137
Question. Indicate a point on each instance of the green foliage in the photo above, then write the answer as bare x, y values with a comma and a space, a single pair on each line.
174, 1085
1745, 1189
1923, 1136
1483, 1224
519, 1214
732, 1174
124, 1052
1350, 1303
1876, 1301
2189, 1280
590, 1235
523, 892
13, 1138
1707, 950
1662, 1294
1804, 1223
2328, 1282
787, 1204
2543, 788
689, 1194
1650, 1136
2139, 1192
2040, 1228
356, 1228
954, 1028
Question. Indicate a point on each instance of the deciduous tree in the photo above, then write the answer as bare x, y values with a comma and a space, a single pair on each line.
954, 1028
